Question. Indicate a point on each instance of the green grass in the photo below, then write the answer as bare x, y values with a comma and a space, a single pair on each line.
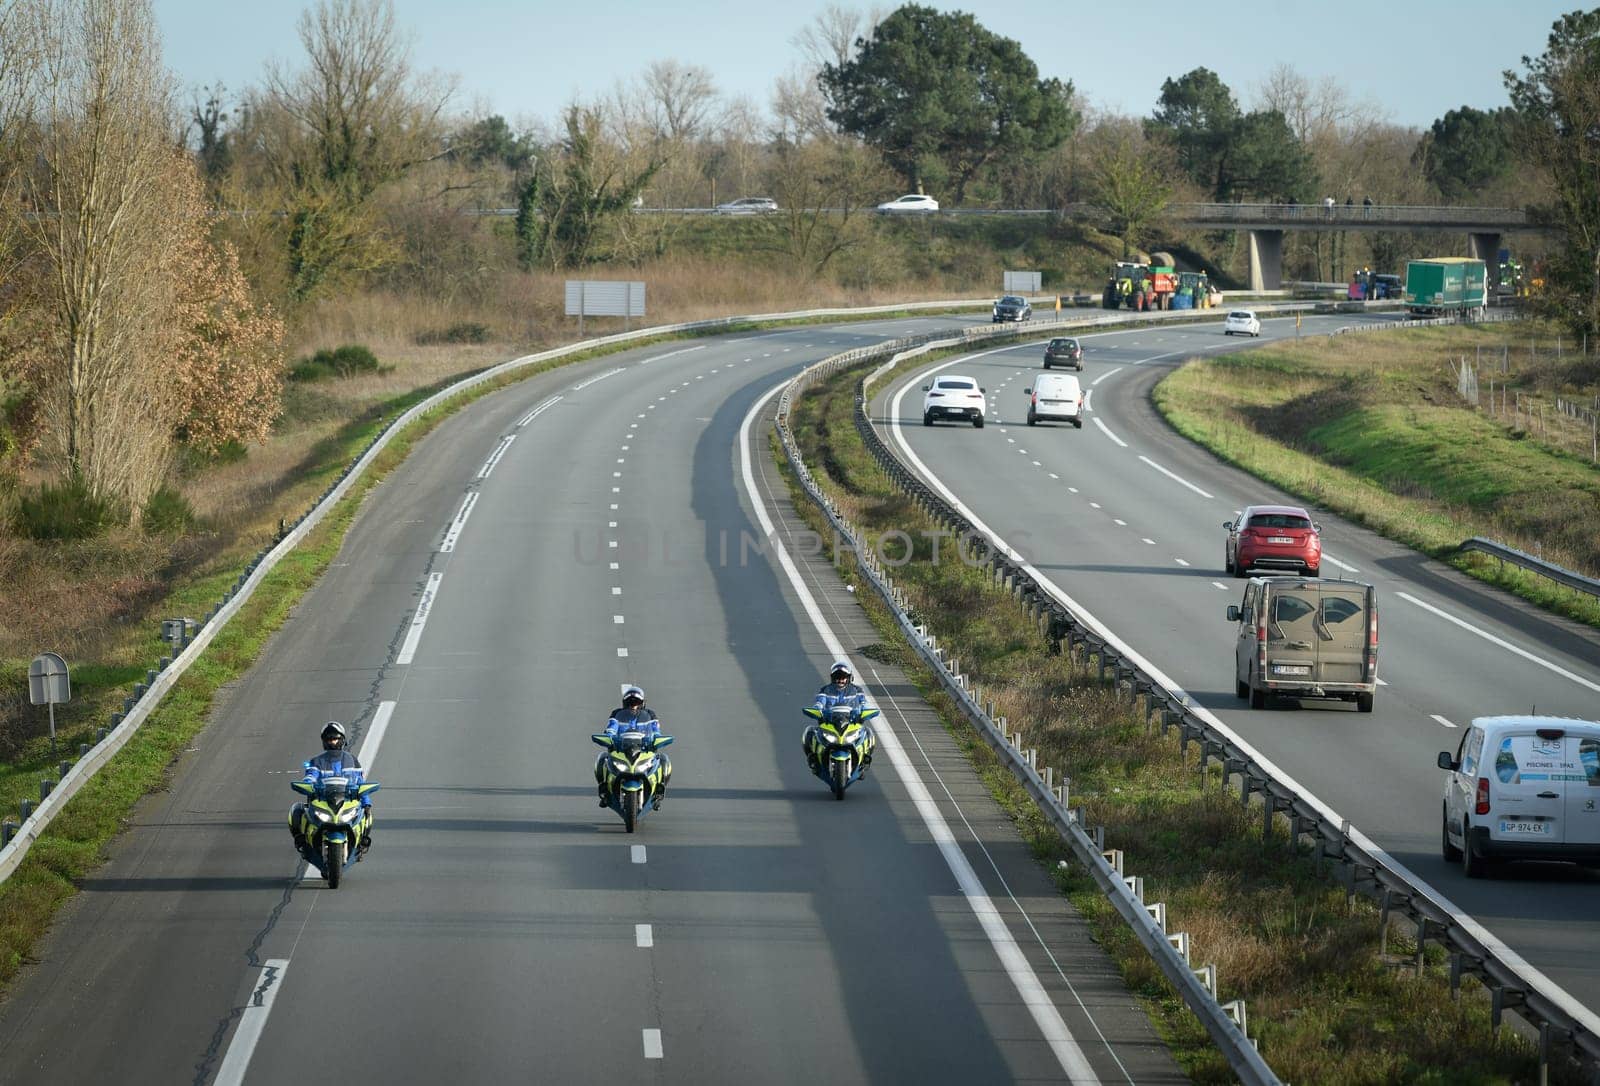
1324, 1004
1373, 430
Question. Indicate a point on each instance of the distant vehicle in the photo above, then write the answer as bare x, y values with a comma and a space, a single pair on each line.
1522, 788
1272, 536
1449, 284
913, 202
1242, 321
1055, 396
1012, 307
748, 205
1063, 351
954, 397
1301, 637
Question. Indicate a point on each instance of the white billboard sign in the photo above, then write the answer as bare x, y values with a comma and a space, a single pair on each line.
604, 298
1022, 282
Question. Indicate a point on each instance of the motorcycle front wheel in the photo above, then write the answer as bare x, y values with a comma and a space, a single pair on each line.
335, 860
840, 778
631, 802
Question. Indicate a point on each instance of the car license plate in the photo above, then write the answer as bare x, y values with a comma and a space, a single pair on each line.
1291, 669
1526, 829
1279, 539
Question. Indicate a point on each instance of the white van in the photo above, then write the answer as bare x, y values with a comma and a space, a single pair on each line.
1523, 787
1055, 396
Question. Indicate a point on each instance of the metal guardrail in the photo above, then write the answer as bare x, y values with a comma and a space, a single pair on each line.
1364, 867
1566, 577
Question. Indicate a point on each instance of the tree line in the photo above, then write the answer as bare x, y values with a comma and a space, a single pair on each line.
150, 253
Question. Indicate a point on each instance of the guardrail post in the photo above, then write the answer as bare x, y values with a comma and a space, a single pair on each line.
8, 830
62, 768
1422, 941
46, 786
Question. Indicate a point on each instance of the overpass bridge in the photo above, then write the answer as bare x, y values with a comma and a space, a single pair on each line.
1267, 223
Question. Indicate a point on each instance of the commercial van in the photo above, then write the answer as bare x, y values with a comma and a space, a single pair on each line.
1523, 787
1306, 637
1055, 396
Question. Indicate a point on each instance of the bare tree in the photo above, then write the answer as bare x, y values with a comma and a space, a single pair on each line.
825, 187
333, 133
798, 103
681, 99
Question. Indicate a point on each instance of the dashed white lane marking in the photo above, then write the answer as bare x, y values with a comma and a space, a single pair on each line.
1181, 561
494, 457
1173, 475
613, 505
1220, 585
1037, 464
637, 854
615, 565
1120, 523
1441, 720
611, 524
1094, 505
642, 936
616, 620
1548, 665
1040, 1006
1072, 489
1150, 541
621, 653
622, 459
1088, 400
537, 411
581, 385
252, 1020
1326, 557
1103, 376
612, 543
615, 590
669, 354
1381, 682
1053, 475
408, 648
1104, 429
616, 490
616, 474
652, 1044
453, 533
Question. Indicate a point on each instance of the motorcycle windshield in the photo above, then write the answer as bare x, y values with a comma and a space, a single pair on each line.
334, 789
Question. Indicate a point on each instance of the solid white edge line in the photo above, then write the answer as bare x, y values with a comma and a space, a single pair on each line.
252, 1020
1491, 942
1103, 376
1043, 1009
408, 648
494, 457
652, 1044
1175, 477
581, 385
1104, 429
1548, 665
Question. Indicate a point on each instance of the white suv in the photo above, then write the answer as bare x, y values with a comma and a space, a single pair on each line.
954, 397
1523, 787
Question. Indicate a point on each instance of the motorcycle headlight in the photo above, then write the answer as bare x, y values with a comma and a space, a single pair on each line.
852, 734
321, 814
350, 814
619, 763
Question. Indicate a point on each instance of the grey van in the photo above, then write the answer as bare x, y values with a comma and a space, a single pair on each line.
1306, 637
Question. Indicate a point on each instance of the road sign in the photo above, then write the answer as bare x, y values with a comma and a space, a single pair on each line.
48, 681
1022, 282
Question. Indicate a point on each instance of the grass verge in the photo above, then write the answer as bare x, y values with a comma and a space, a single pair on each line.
1325, 1005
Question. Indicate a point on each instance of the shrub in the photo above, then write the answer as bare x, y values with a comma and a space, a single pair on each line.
167, 513
460, 332
346, 361
67, 510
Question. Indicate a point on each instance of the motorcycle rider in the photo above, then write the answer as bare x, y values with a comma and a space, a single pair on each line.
334, 761
840, 688
633, 716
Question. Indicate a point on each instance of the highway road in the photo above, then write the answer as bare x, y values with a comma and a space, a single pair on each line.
575, 532
1125, 518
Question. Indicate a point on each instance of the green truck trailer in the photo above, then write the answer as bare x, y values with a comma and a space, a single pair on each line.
1445, 285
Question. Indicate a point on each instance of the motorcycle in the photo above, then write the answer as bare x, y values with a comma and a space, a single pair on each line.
839, 745
333, 822
632, 772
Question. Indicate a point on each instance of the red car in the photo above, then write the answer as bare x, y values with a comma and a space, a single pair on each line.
1273, 537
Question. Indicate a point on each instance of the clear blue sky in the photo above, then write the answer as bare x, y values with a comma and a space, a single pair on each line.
526, 59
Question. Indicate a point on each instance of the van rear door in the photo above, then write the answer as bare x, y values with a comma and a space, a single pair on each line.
1527, 774
1341, 628
1292, 633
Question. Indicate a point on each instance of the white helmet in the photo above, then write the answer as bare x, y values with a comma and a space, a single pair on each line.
841, 666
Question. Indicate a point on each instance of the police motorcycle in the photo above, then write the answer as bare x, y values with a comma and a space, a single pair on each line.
333, 821
839, 745
632, 772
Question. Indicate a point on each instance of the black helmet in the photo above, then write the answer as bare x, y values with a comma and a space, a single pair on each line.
841, 668
633, 693
330, 731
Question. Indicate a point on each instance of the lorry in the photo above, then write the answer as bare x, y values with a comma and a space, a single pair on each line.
1445, 285
1306, 637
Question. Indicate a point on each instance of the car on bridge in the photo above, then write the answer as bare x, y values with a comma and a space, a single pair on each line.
913, 203
1522, 788
1242, 321
952, 396
748, 205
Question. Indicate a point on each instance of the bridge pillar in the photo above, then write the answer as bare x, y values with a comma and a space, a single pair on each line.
1486, 247
1266, 260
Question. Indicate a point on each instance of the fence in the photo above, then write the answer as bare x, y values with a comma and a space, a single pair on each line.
1363, 867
